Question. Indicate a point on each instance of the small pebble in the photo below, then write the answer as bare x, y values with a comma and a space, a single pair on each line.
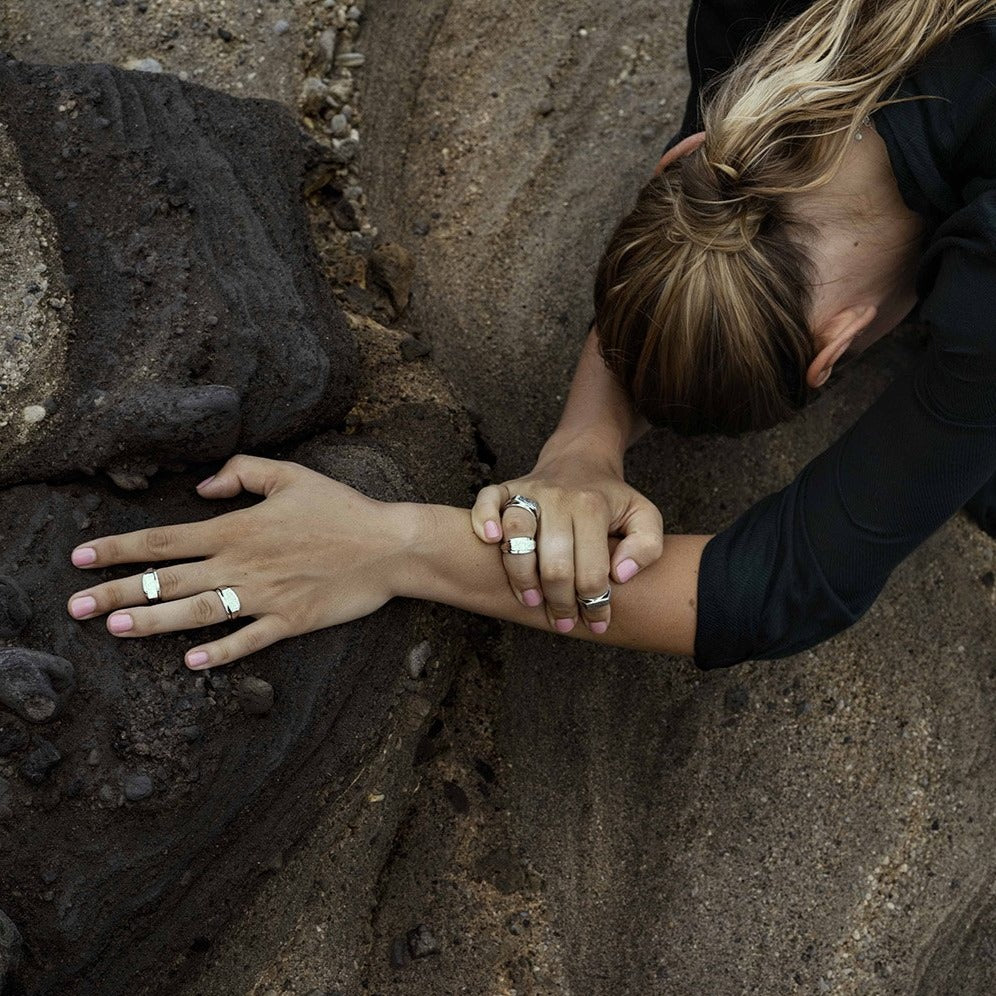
137, 786
255, 696
145, 65
354, 13
350, 60
545, 106
33, 413
339, 126
421, 942
314, 95
413, 349
281, 27
419, 655
420, 228
109, 795
327, 41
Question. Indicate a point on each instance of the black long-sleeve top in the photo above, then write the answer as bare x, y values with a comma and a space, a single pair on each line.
808, 561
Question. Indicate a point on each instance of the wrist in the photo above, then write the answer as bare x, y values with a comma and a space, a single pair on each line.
590, 445
412, 529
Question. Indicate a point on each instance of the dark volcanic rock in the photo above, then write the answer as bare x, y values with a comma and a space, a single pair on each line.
15, 609
33, 684
255, 695
222, 788
183, 313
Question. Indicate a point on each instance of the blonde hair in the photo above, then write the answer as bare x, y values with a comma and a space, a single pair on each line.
703, 294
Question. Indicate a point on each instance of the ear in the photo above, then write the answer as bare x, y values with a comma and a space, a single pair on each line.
685, 146
835, 337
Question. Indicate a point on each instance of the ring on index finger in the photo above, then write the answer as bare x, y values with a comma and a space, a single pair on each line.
598, 602
519, 545
521, 501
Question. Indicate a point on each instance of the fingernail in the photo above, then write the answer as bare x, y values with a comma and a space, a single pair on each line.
491, 529
599, 627
626, 569
197, 658
564, 625
82, 606
120, 624
207, 480
83, 555
532, 597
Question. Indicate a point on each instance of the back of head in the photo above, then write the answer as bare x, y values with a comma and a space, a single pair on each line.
703, 294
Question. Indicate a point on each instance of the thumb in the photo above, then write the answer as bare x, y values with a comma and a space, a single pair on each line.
642, 542
244, 473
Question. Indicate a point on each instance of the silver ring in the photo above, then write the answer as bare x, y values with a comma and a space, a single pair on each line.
150, 585
521, 501
519, 545
230, 601
598, 602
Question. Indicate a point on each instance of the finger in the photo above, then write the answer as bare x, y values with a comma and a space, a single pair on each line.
556, 569
203, 609
485, 516
178, 542
174, 582
591, 565
246, 473
642, 543
521, 567
248, 640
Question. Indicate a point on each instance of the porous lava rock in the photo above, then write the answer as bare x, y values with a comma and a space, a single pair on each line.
160, 295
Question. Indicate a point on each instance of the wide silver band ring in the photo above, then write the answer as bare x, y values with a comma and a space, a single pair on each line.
518, 545
598, 602
521, 501
230, 601
151, 587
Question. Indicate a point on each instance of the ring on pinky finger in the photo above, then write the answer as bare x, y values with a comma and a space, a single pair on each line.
245, 641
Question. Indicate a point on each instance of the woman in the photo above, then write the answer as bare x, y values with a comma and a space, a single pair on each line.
788, 232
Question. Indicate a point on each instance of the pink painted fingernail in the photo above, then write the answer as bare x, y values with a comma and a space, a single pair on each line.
82, 606
197, 658
599, 627
491, 529
207, 480
83, 555
532, 597
121, 623
626, 570
564, 625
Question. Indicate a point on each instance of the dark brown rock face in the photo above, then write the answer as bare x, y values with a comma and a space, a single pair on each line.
182, 315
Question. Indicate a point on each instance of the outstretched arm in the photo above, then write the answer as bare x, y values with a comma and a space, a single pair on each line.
317, 553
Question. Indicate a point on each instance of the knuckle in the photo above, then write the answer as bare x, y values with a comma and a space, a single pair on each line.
159, 540
592, 585
169, 582
556, 571
589, 502
204, 609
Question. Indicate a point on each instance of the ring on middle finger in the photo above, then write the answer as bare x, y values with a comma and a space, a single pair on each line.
598, 602
517, 545
151, 586
521, 501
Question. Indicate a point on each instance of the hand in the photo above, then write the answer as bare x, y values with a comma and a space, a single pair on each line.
583, 499
314, 553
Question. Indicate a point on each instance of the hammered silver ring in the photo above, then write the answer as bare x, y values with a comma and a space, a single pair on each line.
598, 602
230, 602
521, 501
151, 586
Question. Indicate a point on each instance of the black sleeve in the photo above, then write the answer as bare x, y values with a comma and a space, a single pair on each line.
718, 33
806, 562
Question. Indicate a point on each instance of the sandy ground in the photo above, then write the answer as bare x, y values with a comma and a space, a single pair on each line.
590, 821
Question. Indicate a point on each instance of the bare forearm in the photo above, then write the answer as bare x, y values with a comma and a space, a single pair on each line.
447, 563
598, 409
